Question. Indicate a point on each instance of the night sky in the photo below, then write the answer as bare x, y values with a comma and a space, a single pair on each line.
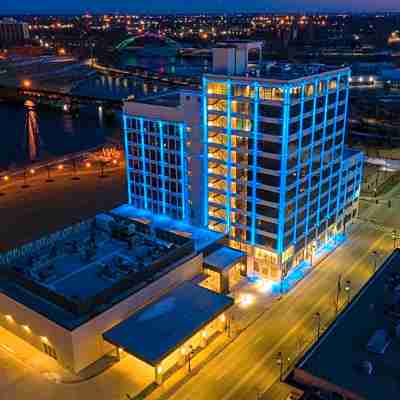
71, 6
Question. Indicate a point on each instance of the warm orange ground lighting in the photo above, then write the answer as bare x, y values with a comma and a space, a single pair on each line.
60, 167
6, 177
88, 165
32, 171
27, 83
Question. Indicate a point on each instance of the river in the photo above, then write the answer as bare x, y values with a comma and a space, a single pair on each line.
30, 133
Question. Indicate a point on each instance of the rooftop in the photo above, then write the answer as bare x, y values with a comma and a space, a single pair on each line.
285, 72
84, 269
343, 354
202, 237
161, 327
168, 99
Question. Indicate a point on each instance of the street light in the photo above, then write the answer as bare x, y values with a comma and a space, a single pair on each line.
25, 184
279, 361
375, 256
347, 288
190, 356
339, 289
102, 168
26, 83
317, 316
6, 178
75, 171
49, 179
395, 237
313, 248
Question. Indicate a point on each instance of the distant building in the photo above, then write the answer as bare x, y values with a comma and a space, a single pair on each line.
357, 357
13, 32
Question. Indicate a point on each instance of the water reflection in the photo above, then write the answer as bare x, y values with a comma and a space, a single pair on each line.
32, 142
33, 132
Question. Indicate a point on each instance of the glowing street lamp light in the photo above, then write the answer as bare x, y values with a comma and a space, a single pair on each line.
26, 83
279, 361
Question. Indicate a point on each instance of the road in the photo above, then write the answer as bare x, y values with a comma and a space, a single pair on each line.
249, 365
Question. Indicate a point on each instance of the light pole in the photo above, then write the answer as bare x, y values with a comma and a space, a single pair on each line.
347, 288
317, 316
102, 168
375, 255
6, 178
49, 179
74, 168
394, 237
339, 289
190, 355
313, 247
25, 184
279, 361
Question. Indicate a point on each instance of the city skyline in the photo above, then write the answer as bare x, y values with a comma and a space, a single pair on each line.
95, 6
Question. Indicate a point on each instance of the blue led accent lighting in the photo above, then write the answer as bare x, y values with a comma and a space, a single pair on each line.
128, 175
229, 158
163, 194
205, 153
299, 162
254, 180
340, 208
321, 167
143, 162
334, 134
284, 156
183, 171
314, 114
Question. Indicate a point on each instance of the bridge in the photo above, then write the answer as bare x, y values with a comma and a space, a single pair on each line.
148, 35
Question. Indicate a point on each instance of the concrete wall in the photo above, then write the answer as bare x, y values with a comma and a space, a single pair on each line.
40, 327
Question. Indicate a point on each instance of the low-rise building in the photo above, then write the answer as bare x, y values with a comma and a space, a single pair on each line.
357, 357
65, 293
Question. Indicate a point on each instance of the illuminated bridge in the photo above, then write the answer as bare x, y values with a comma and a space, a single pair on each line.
150, 42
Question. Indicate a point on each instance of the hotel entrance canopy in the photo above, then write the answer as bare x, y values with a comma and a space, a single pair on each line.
161, 327
224, 259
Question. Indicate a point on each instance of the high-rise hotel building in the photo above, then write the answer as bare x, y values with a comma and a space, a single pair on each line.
274, 175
